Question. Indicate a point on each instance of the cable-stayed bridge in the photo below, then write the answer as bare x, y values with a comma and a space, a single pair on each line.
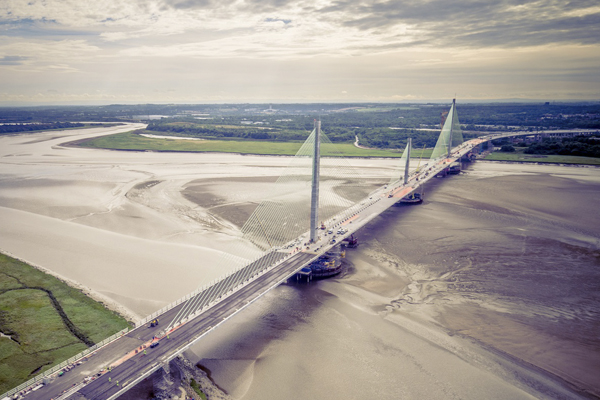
286, 233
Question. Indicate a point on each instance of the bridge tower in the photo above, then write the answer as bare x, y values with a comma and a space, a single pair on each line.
452, 111
450, 136
314, 198
407, 166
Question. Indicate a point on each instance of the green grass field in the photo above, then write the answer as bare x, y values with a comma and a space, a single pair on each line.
194, 385
132, 141
519, 156
36, 336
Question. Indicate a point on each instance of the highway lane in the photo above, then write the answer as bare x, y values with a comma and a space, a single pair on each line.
102, 358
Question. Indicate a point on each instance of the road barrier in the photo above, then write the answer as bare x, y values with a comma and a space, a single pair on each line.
38, 379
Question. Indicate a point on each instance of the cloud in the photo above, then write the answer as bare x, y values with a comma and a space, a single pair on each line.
285, 21
347, 25
43, 28
194, 4
61, 68
36, 55
78, 13
370, 48
474, 23
12, 60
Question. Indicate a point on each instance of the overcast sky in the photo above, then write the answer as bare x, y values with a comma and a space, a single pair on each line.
202, 51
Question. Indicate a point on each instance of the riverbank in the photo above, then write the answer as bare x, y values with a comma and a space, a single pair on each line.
543, 159
45, 321
141, 142
111, 305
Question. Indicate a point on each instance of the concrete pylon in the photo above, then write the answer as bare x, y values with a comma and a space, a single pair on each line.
407, 166
451, 115
314, 198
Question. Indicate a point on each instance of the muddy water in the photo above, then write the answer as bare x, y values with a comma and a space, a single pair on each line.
490, 289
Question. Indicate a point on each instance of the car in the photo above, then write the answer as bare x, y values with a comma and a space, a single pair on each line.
153, 345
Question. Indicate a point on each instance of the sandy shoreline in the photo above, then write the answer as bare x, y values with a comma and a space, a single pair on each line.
539, 163
106, 301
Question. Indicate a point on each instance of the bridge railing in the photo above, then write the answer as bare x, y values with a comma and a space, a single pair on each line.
202, 298
38, 379
188, 296
168, 307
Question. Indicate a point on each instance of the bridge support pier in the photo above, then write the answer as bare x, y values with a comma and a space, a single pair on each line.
166, 382
166, 368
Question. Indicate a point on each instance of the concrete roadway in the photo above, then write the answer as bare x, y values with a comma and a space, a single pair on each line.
129, 367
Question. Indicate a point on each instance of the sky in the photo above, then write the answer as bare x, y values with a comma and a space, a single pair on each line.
238, 51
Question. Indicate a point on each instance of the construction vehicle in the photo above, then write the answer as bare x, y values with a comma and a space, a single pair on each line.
350, 242
153, 323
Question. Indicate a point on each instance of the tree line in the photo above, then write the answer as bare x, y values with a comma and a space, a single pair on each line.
15, 128
376, 125
585, 146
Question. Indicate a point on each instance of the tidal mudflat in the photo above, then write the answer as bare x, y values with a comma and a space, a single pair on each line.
488, 290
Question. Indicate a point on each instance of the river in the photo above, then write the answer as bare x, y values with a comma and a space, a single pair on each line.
490, 289
496, 272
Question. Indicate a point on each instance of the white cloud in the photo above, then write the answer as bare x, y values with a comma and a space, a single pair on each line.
78, 13
62, 68
39, 55
308, 49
